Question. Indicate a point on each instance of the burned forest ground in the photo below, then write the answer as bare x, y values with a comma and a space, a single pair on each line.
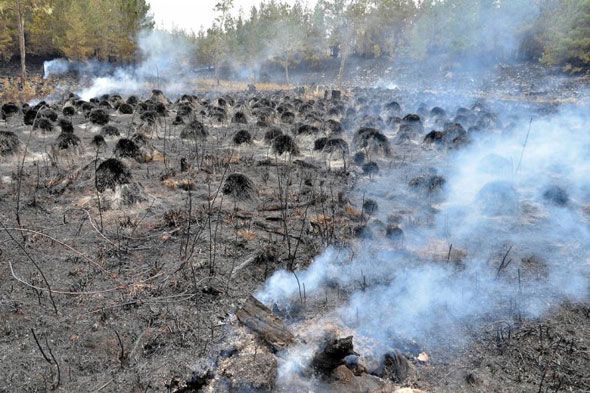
133, 229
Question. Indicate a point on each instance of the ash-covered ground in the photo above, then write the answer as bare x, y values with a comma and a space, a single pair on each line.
446, 233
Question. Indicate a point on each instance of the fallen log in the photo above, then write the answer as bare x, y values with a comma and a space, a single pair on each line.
265, 324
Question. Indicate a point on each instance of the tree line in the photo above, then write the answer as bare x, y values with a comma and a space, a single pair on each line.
76, 29
552, 32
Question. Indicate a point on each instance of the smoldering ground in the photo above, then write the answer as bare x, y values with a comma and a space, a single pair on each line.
509, 240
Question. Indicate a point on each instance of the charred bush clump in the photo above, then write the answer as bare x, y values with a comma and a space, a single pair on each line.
319, 144
149, 116
427, 183
336, 144
556, 195
178, 120
110, 174
194, 130
184, 110
43, 124
126, 148
66, 140
98, 141
371, 138
239, 118
241, 137
30, 116
284, 144
238, 186
9, 143
288, 117
271, 134
125, 109
66, 126
394, 232
393, 108
359, 158
334, 126
370, 206
48, 114
109, 130
99, 117
306, 129
370, 168
9, 109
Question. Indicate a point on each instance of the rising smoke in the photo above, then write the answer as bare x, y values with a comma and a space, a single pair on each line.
510, 240
165, 63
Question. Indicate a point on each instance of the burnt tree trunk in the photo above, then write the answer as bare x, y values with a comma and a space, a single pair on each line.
21, 43
286, 65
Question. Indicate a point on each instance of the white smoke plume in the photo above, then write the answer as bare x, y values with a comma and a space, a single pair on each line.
165, 63
516, 212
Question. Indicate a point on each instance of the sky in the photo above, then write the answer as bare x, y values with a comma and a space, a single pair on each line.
191, 15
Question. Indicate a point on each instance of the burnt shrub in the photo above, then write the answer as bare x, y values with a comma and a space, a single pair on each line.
126, 148
239, 118
288, 117
319, 144
238, 186
556, 196
394, 232
284, 144
98, 141
438, 112
241, 137
66, 126
370, 168
371, 138
9, 109
149, 116
370, 206
99, 117
126, 109
43, 124
68, 110
132, 100
109, 130
336, 144
30, 116
178, 120
334, 126
48, 114
9, 143
427, 183
184, 110
66, 140
306, 129
271, 134
359, 158
194, 130
110, 174
434, 137
393, 108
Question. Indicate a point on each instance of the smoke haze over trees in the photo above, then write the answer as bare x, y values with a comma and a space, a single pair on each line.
552, 32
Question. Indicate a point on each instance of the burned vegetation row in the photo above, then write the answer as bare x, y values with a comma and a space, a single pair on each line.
134, 228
